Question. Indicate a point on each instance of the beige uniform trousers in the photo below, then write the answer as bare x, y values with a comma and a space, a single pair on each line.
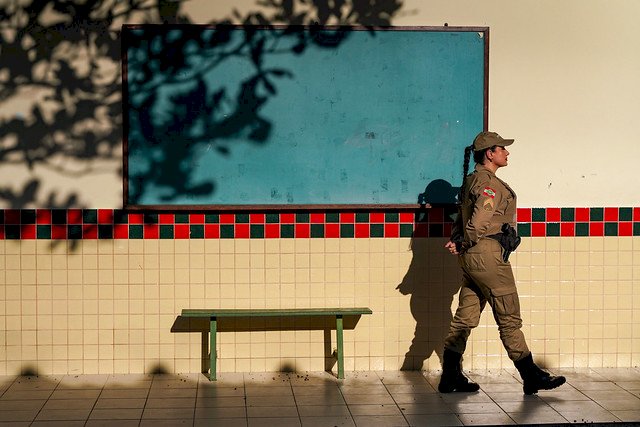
487, 278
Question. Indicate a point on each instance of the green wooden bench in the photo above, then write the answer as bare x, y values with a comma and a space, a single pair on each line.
214, 314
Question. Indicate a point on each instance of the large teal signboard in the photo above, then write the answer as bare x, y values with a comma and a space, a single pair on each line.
238, 117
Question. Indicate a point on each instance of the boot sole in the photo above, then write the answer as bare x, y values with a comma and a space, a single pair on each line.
554, 384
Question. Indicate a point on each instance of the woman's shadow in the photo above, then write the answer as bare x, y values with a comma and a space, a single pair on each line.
432, 280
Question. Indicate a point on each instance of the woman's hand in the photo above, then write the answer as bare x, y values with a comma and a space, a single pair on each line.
451, 247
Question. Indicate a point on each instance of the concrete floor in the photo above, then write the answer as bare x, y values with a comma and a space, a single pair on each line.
315, 399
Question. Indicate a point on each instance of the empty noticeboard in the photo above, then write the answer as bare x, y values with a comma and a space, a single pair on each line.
288, 117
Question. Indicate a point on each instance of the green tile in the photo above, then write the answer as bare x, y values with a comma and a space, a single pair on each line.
120, 217
105, 231
287, 231
567, 214
272, 218
332, 217
610, 228
302, 217
256, 231
242, 218
377, 230
74, 232
625, 214
166, 231
150, 218
553, 229
43, 231
582, 229
135, 231
347, 230
28, 216
317, 230
406, 230
362, 216
636, 228
12, 232
197, 231
181, 218
212, 218
90, 216
538, 214
524, 229
227, 231
596, 214
391, 217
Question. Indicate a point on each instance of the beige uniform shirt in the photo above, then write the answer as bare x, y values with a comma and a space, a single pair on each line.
487, 203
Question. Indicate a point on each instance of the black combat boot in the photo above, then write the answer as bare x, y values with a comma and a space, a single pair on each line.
534, 378
452, 377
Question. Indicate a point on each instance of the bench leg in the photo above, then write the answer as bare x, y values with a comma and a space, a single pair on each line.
213, 329
340, 341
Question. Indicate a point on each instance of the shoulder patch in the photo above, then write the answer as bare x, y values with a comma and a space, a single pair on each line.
488, 205
489, 192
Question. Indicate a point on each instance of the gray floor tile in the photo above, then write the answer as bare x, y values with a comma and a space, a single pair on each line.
484, 419
58, 424
63, 414
628, 416
110, 423
345, 421
135, 393
407, 398
26, 394
433, 420
325, 410
21, 405
357, 410
426, 408
541, 416
116, 414
166, 423
476, 408
236, 412
18, 415
226, 422
220, 402
270, 422
322, 399
120, 403
363, 399
620, 404
175, 402
380, 420
589, 417
168, 413
75, 394
69, 404
271, 411
270, 401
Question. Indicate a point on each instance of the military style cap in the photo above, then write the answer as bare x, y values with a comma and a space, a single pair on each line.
486, 140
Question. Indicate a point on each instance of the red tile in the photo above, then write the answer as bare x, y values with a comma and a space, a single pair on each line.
347, 217
376, 217
582, 215
28, 231
553, 214
105, 216
436, 215
636, 214
611, 214
407, 217
303, 231
272, 231
421, 230
58, 231
524, 215
447, 229
166, 218
391, 230
287, 218
625, 229
596, 229
120, 231
362, 230
538, 229
257, 218
567, 229
2, 232
212, 231
43, 216
332, 230
242, 231
89, 231
196, 218
12, 216
136, 218
227, 218
74, 216
151, 231
181, 231
317, 218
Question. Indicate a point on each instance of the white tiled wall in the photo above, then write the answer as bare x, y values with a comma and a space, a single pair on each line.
109, 306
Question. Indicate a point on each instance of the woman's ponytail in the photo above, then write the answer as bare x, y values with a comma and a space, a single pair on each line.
465, 168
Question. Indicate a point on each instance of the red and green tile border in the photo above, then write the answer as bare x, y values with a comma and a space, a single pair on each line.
73, 224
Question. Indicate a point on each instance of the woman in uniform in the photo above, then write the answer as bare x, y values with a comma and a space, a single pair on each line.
483, 237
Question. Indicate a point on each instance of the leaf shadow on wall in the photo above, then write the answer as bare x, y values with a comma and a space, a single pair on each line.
61, 62
432, 280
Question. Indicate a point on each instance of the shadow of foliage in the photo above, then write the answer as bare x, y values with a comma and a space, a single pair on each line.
61, 60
